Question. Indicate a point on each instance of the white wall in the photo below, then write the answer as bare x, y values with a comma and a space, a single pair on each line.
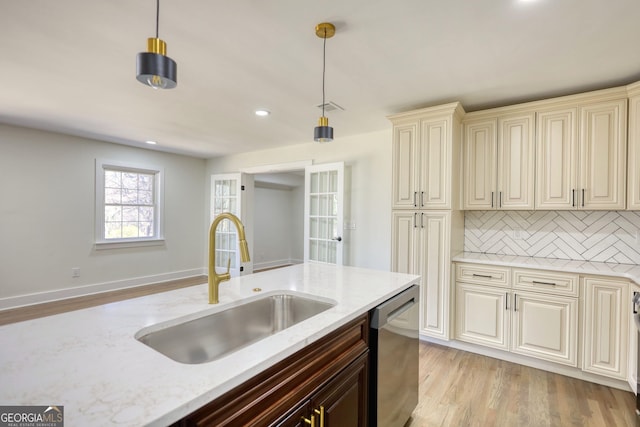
47, 215
278, 226
368, 165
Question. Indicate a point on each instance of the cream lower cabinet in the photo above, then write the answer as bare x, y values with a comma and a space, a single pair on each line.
632, 365
606, 327
421, 246
541, 324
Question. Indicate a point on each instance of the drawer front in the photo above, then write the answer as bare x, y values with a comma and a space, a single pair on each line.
482, 274
549, 282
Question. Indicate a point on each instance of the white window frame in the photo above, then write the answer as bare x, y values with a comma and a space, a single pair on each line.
158, 231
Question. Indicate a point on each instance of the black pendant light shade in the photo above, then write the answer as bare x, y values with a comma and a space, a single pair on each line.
154, 67
323, 132
157, 71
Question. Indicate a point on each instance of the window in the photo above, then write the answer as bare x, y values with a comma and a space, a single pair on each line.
127, 205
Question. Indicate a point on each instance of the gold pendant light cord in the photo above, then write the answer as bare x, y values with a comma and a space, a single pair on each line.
324, 55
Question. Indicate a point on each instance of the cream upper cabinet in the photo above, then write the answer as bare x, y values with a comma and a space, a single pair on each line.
603, 150
480, 164
423, 159
606, 323
406, 162
516, 159
581, 156
633, 179
557, 159
499, 157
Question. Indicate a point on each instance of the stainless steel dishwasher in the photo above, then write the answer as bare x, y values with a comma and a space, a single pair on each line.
393, 392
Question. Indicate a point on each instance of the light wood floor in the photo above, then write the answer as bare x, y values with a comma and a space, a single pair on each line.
56, 307
461, 389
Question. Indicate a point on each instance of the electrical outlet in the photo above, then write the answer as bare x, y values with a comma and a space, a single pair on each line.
517, 235
75, 272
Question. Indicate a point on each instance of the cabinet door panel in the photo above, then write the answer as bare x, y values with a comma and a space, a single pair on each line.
405, 164
603, 155
405, 242
516, 162
556, 159
435, 274
435, 165
633, 197
482, 316
479, 151
545, 326
344, 399
606, 327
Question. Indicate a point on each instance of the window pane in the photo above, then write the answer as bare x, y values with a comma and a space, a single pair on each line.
129, 196
129, 210
130, 180
113, 230
112, 195
112, 179
145, 197
145, 182
112, 213
129, 229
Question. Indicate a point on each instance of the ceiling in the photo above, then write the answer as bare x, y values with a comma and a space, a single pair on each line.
69, 65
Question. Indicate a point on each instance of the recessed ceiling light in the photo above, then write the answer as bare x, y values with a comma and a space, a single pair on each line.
262, 113
151, 142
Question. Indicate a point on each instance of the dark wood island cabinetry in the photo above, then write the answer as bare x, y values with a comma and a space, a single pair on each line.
327, 380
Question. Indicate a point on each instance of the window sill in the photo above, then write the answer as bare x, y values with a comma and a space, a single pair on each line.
120, 244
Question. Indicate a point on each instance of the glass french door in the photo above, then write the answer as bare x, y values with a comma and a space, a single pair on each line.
229, 194
323, 219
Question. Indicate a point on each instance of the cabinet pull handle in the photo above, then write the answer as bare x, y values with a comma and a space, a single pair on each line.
415, 220
422, 199
506, 300
500, 204
415, 202
535, 282
515, 302
421, 219
573, 197
583, 197
492, 199
482, 275
633, 303
311, 422
321, 414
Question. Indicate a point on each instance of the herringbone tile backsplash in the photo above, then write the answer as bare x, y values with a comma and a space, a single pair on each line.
603, 236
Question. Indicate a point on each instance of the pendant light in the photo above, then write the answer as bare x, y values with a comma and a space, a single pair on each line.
154, 67
323, 132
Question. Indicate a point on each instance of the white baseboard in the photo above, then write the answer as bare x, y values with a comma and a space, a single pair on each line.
530, 362
59, 294
276, 263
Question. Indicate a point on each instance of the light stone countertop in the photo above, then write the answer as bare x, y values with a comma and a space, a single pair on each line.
628, 271
89, 361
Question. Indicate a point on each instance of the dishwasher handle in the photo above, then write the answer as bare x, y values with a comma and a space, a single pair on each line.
395, 306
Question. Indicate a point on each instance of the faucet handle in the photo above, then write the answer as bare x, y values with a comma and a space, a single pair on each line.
228, 264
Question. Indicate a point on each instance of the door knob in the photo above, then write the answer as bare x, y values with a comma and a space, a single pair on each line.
339, 239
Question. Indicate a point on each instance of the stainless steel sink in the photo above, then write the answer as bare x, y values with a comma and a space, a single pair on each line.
215, 335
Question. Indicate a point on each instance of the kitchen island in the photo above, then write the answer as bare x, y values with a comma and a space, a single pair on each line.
90, 362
